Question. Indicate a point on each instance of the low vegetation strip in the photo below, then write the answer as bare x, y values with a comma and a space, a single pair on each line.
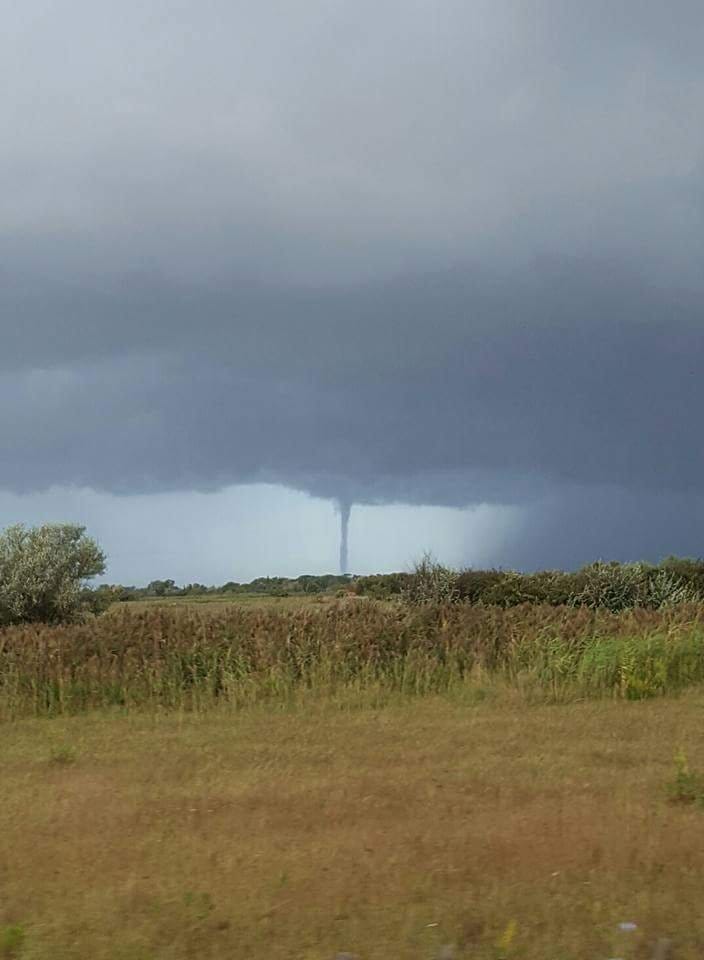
613, 586
188, 658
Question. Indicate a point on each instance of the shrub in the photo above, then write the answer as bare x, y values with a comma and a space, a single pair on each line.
381, 586
688, 571
511, 588
97, 600
43, 571
612, 586
474, 586
665, 588
615, 586
687, 786
431, 582
620, 586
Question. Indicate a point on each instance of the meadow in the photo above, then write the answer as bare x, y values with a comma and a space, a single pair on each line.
294, 601
220, 781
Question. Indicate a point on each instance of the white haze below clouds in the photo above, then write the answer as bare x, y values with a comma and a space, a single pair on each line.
243, 532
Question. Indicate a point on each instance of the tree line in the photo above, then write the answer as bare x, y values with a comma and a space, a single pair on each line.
265, 586
45, 575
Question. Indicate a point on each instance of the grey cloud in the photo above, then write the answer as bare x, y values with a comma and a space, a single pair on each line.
449, 382
577, 525
341, 141
379, 252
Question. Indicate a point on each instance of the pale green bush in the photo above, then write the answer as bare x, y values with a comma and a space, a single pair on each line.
621, 586
43, 571
431, 582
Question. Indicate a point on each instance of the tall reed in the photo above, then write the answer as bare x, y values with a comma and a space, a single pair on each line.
194, 657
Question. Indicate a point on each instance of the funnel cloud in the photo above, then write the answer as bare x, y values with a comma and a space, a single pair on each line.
344, 509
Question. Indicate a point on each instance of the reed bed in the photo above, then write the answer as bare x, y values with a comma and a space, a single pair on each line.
191, 658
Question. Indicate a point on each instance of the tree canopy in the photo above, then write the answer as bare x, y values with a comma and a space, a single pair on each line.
43, 572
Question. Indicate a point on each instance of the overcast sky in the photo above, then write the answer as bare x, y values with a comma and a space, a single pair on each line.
440, 260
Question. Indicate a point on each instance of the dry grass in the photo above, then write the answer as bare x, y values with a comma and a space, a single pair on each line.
389, 832
199, 656
222, 601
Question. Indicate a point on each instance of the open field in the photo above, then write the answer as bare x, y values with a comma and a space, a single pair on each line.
505, 829
265, 601
204, 781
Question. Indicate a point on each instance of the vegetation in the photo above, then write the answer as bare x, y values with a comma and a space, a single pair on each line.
191, 657
305, 585
687, 786
616, 586
431, 583
43, 572
613, 586
400, 783
434, 827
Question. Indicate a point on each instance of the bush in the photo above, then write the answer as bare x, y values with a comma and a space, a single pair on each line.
381, 586
474, 586
688, 571
612, 586
615, 586
620, 586
96, 600
686, 787
510, 588
666, 588
431, 582
43, 571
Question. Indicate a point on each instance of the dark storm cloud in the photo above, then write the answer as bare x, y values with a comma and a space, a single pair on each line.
577, 524
449, 388
439, 254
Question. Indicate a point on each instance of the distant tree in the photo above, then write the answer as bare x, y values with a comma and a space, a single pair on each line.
195, 589
43, 572
162, 588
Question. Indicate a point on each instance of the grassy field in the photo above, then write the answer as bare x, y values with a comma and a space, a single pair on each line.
503, 829
294, 601
251, 782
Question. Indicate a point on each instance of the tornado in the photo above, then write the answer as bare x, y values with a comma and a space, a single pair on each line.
344, 508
